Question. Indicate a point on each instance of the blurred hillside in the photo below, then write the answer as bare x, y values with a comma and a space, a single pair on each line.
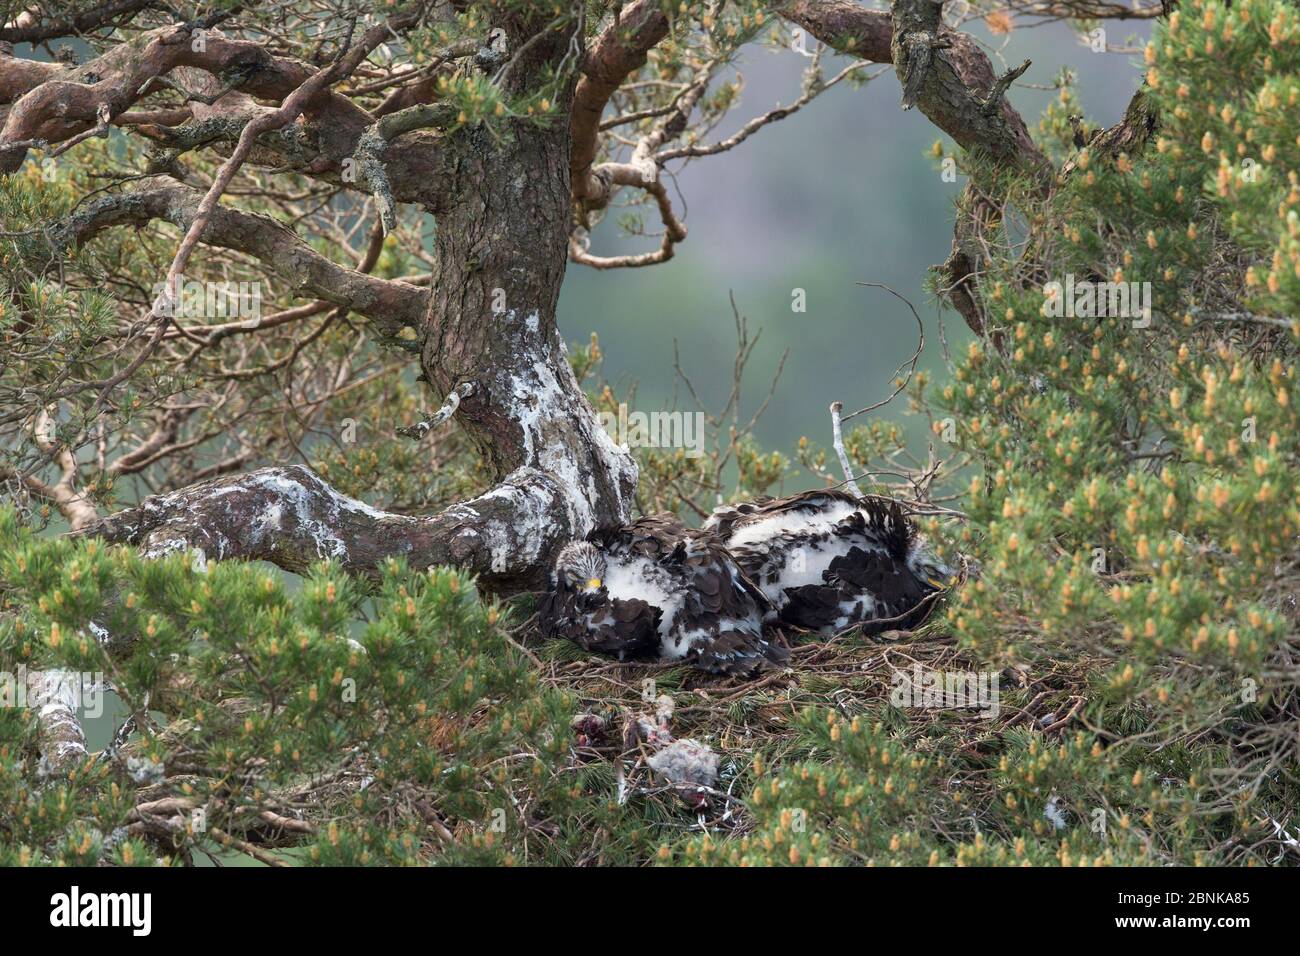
774, 214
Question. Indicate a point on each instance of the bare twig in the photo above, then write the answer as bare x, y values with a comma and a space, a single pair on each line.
910, 364
420, 429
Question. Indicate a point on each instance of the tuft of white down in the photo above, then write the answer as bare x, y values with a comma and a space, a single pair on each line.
633, 578
798, 560
790, 523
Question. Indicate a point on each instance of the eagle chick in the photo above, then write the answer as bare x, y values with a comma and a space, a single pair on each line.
656, 588
827, 560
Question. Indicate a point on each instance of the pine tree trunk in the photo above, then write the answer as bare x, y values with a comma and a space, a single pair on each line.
489, 333
501, 251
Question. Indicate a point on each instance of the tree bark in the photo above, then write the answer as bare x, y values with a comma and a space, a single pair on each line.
951, 80
501, 250
489, 334
53, 695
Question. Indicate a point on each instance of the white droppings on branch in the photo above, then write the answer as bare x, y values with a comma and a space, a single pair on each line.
316, 509
270, 519
54, 694
160, 549
539, 398
524, 539
289, 516
449, 407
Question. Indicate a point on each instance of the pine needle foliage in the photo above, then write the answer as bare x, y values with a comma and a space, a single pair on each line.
1128, 506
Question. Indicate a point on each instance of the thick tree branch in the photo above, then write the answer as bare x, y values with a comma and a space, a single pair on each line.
1128, 137
53, 695
18, 77
292, 518
975, 213
158, 441
28, 29
390, 303
52, 104
642, 172
956, 82
75, 507
618, 52
372, 149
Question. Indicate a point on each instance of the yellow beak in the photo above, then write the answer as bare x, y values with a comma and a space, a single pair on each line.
593, 584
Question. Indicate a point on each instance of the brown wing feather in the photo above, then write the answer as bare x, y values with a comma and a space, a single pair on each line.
626, 629
657, 536
857, 572
738, 654
719, 597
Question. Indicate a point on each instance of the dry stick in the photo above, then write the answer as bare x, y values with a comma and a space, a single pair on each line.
286, 823
837, 436
758, 122
100, 129
1068, 717
837, 439
420, 429
994, 99
910, 365
243, 846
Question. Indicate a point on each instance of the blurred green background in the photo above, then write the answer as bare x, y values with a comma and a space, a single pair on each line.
840, 193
